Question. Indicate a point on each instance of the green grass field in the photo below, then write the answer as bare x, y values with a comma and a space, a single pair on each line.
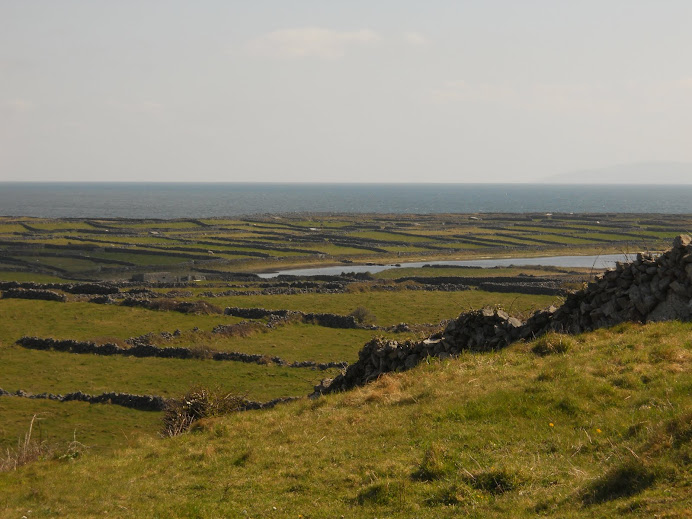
394, 307
330, 238
602, 430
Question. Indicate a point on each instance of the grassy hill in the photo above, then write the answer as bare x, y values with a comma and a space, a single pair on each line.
601, 429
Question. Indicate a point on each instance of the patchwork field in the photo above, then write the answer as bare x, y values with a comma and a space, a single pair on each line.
153, 287
116, 249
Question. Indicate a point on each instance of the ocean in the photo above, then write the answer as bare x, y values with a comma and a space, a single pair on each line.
200, 200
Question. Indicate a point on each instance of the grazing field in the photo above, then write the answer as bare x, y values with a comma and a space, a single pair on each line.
601, 430
117, 249
508, 433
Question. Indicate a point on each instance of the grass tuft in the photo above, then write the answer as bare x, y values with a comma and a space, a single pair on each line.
494, 481
433, 466
28, 450
199, 402
551, 344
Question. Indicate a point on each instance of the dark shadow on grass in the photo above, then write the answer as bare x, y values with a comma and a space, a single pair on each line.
624, 480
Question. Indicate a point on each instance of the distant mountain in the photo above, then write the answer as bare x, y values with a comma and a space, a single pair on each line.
638, 173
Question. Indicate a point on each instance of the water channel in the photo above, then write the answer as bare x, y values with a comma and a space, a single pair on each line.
598, 262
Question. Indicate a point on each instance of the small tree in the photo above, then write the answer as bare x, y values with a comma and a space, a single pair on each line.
363, 316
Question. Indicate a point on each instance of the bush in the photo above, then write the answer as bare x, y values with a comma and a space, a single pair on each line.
363, 316
199, 402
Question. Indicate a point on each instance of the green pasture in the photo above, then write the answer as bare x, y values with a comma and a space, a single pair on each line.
386, 236
392, 307
152, 225
70, 264
557, 239
601, 430
293, 342
53, 225
10, 228
96, 427
89, 321
37, 371
11, 275
156, 257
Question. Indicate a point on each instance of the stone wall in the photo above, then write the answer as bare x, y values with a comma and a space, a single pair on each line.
647, 289
24, 293
320, 319
138, 402
148, 350
70, 288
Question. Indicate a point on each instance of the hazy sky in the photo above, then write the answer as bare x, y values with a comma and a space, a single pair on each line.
374, 90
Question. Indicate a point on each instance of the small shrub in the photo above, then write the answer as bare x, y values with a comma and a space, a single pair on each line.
363, 316
552, 343
199, 402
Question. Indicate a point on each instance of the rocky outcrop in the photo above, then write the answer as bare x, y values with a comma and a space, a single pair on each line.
648, 289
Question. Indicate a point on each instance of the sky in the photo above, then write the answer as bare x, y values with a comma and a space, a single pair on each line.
350, 91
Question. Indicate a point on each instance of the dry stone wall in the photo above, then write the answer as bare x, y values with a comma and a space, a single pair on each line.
71, 288
148, 350
138, 402
24, 293
649, 288
321, 319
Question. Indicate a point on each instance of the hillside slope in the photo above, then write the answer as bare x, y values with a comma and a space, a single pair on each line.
594, 425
